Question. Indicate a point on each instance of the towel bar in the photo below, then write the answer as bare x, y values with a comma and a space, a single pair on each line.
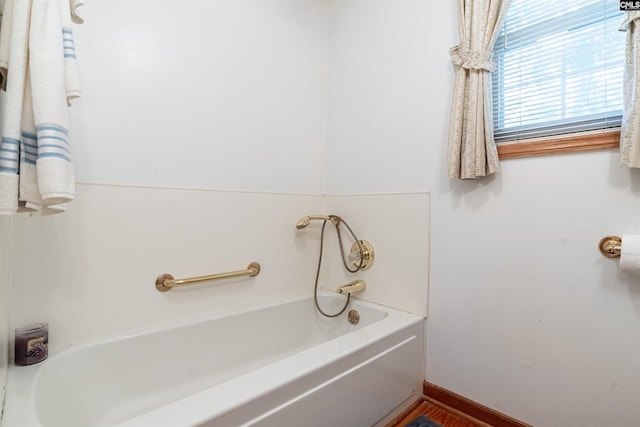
165, 282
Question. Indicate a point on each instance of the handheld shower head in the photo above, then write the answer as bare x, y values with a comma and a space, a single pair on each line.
306, 220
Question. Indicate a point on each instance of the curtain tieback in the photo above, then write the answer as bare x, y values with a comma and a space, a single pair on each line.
472, 59
630, 17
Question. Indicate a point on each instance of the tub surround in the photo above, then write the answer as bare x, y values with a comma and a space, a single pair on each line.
399, 232
98, 263
106, 259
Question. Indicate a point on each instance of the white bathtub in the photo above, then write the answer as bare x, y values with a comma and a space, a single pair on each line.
281, 365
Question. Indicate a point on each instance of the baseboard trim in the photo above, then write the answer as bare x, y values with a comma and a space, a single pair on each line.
469, 407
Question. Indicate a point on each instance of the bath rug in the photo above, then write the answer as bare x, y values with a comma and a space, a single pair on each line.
422, 421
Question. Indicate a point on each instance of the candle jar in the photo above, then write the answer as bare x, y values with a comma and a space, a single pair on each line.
32, 344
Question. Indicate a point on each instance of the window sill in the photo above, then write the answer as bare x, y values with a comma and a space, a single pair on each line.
559, 145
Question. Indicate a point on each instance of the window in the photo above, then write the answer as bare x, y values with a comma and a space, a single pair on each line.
559, 70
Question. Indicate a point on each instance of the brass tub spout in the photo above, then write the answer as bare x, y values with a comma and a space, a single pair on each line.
349, 288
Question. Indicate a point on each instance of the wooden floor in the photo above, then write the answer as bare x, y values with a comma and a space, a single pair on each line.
444, 416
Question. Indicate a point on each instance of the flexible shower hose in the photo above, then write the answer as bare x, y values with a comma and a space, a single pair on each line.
344, 262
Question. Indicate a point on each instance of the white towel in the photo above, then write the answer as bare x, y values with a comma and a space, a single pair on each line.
41, 79
12, 120
72, 80
29, 191
47, 54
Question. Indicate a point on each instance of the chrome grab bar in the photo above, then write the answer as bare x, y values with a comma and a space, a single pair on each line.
165, 282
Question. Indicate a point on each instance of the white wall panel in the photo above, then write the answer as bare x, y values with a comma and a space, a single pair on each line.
207, 94
388, 94
91, 272
397, 225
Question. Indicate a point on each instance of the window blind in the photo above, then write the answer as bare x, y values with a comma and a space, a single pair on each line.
559, 69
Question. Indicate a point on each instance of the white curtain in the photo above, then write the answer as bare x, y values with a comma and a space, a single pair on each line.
630, 132
472, 150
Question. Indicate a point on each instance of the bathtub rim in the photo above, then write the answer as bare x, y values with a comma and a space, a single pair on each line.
22, 379
206, 317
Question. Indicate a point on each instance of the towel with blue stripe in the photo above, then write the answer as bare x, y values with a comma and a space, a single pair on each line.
38, 70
